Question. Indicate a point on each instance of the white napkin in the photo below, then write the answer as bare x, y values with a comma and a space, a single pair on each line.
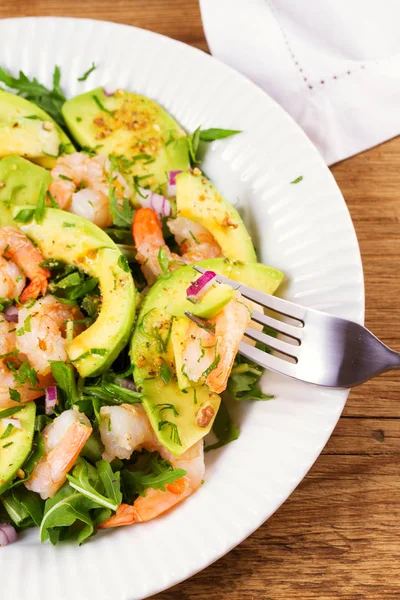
334, 65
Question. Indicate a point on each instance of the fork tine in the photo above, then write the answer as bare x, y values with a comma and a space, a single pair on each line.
274, 343
267, 361
284, 307
290, 330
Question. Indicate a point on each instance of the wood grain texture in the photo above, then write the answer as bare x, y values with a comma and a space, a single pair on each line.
338, 535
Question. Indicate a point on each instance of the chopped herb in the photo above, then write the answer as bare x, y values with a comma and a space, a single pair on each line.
123, 263
165, 373
14, 395
87, 73
12, 353
163, 260
27, 324
9, 412
209, 135
78, 119
194, 237
91, 151
137, 186
121, 216
141, 157
61, 176
39, 211
174, 434
102, 107
93, 351
194, 396
7, 431
297, 180
213, 365
66, 224
52, 200
24, 215
25, 373
165, 406
6, 445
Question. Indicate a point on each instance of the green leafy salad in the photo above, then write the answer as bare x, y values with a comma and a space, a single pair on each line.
117, 357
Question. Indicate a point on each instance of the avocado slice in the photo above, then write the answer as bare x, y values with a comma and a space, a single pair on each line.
172, 411
15, 448
65, 236
199, 200
31, 138
131, 125
21, 183
14, 109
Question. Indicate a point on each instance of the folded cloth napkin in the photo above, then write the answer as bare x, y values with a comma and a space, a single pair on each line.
334, 65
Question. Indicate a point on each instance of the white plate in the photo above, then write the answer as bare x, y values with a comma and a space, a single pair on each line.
303, 229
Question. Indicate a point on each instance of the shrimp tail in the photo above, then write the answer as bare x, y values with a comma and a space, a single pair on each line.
125, 515
36, 287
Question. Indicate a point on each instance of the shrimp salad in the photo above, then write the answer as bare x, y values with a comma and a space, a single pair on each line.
110, 394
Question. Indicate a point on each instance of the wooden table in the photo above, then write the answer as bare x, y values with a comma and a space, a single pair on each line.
338, 535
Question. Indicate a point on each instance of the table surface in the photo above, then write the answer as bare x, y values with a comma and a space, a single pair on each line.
338, 535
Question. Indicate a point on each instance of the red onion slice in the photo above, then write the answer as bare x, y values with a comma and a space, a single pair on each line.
11, 314
158, 203
198, 288
108, 91
8, 534
50, 399
128, 384
171, 191
12, 421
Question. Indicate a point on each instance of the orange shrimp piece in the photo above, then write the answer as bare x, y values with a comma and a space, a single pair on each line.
14, 245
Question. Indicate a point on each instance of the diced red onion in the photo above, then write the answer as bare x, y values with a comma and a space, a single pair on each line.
12, 421
172, 183
50, 399
198, 288
11, 314
158, 203
108, 92
8, 534
128, 384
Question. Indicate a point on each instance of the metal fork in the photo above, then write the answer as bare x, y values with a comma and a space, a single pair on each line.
319, 348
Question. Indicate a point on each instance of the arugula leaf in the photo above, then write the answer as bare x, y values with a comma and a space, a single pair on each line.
66, 508
50, 101
193, 140
156, 474
87, 73
25, 508
65, 379
224, 429
80, 481
243, 382
110, 480
209, 135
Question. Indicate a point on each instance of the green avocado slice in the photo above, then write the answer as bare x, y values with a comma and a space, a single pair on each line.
65, 236
21, 182
15, 448
131, 125
13, 108
31, 138
174, 412
199, 200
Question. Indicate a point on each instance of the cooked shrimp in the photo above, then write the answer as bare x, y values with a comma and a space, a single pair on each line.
63, 440
43, 327
213, 352
14, 245
80, 185
7, 377
196, 243
126, 428
12, 280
